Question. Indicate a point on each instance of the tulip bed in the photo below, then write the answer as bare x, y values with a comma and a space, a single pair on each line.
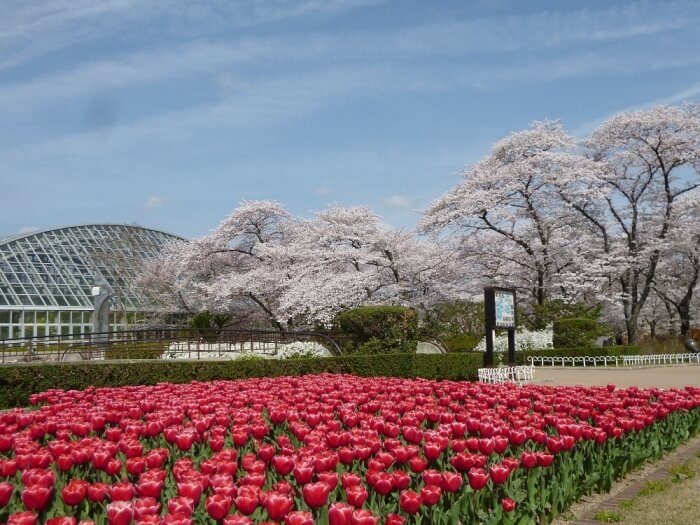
329, 449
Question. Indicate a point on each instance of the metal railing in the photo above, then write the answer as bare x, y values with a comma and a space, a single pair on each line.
606, 360
157, 344
507, 374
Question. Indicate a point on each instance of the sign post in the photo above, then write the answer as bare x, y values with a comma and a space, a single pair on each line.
499, 306
101, 292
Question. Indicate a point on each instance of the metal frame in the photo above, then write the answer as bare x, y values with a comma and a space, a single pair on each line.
137, 344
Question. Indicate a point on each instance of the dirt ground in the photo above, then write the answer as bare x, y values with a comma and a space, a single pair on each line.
670, 376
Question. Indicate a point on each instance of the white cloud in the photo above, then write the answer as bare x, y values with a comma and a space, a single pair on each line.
323, 190
31, 29
400, 202
27, 229
198, 55
155, 201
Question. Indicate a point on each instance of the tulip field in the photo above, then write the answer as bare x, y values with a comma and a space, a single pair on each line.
327, 449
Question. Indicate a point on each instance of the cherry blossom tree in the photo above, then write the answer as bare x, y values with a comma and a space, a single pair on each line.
646, 160
508, 212
678, 273
300, 272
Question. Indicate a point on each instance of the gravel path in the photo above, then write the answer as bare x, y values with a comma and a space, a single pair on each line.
670, 376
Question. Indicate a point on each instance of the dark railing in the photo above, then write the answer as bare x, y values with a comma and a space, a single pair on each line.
156, 344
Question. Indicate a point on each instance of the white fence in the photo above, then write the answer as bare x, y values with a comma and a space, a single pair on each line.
507, 374
606, 360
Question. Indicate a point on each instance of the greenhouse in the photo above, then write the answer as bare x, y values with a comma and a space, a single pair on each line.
47, 277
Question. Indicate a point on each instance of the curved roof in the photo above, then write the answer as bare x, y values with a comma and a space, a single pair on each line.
57, 268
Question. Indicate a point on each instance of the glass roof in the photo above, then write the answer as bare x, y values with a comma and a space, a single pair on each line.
57, 268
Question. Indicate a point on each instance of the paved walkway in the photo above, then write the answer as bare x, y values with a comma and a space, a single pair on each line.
658, 471
669, 376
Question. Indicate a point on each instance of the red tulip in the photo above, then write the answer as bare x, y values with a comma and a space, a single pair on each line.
363, 517
237, 520
8, 468
22, 518
348, 479
218, 505
74, 493
283, 465
122, 491
181, 505
176, 519
148, 487
478, 478
316, 494
97, 492
303, 474
431, 477
64, 462
340, 514
544, 460
410, 501
62, 520
402, 479
394, 519
528, 460
432, 451
330, 478
383, 483
36, 497
148, 519
431, 495
487, 446
190, 489
185, 440
41, 477
247, 500
136, 465
356, 495
346, 455
299, 517
278, 505
114, 467
508, 504
450, 481
417, 464
499, 473
145, 507
120, 513
6, 491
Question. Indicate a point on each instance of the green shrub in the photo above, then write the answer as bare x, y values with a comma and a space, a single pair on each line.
462, 342
135, 350
380, 329
576, 332
453, 318
18, 382
551, 311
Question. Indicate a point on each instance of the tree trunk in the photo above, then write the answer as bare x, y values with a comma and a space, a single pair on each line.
631, 325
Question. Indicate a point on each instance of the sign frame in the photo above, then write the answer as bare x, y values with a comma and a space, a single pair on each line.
500, 311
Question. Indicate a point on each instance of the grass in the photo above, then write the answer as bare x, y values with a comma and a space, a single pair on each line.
671, 501
682, 472
652, 487
608, 516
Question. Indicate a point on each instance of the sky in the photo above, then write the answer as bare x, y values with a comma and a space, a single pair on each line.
169, 113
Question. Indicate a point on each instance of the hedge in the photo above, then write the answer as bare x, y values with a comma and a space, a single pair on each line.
574, 332
18, 382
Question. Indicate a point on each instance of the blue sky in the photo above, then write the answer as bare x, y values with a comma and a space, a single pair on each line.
167, 113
